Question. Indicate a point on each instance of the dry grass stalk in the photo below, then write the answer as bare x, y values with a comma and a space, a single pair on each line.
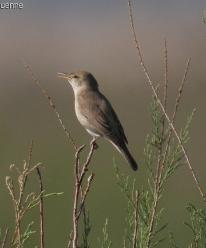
70, 240
80, 194
21, 202
177, 103
163, 152
41, 209
151, 85
52, 105
136, 216
4, 240
165, 74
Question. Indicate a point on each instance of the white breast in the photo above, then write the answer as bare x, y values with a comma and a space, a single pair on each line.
82, 119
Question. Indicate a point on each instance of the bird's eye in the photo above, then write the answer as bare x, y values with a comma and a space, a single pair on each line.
75, 76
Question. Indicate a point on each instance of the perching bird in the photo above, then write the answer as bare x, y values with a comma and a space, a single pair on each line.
96, 114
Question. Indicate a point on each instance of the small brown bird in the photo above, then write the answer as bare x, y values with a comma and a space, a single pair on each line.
96, 114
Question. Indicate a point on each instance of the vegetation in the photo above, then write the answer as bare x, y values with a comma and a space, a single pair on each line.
164, 153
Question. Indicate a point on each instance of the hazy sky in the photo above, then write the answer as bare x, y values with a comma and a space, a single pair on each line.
96, 34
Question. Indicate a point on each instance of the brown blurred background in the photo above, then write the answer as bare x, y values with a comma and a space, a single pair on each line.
95, 36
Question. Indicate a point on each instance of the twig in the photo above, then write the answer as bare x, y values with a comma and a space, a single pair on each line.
3, 243
85, 220
151, 223
17, 197
51, 103
76, 197
23, 178
165, 74
84, 195
70, 240
180, 90
79, 176
162, 156
156, 194
41, 209
150, 83
134, 241
177, 103
86, 164
165, 88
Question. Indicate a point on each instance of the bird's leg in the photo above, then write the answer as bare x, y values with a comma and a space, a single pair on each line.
93, 143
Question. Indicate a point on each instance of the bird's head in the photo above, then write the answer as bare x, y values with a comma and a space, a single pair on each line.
81, 80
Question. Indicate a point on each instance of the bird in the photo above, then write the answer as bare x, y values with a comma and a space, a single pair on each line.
96, 114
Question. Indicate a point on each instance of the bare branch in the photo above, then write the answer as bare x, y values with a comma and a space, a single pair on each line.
51, 103
78, 196
180, 90
70, 240
177, 103
23, 178
3, 243
84, 195
151, 85
165, 74
41, 209
134, 241
88, 160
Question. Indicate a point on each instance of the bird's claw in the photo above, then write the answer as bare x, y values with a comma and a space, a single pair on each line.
94, 144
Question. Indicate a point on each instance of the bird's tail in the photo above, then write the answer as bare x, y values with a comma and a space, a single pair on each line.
127, 155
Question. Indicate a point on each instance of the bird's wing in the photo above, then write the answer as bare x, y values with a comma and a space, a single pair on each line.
107, 119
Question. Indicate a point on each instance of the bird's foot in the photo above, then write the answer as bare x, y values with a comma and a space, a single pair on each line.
94, 144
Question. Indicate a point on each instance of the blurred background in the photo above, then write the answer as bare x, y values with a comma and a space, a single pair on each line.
53, 36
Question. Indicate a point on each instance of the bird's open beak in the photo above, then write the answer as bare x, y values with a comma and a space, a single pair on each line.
63, 75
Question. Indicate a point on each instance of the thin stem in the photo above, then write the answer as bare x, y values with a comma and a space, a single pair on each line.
156, 192
24, 176
76, 197
51, 103
79, 176
150, 83
152, 218
166, 73
70, 240
3, 243
88, 160
162, 157
18, 201
85, 193
176, 107
165, 87
134, 241
86, 245
41, 209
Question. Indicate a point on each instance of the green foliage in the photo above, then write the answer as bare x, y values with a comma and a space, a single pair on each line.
172, 242
24, 201
87, 228
128, 189
143, 209
27, 233
105, 242
197, 225
143, 220
162, 156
